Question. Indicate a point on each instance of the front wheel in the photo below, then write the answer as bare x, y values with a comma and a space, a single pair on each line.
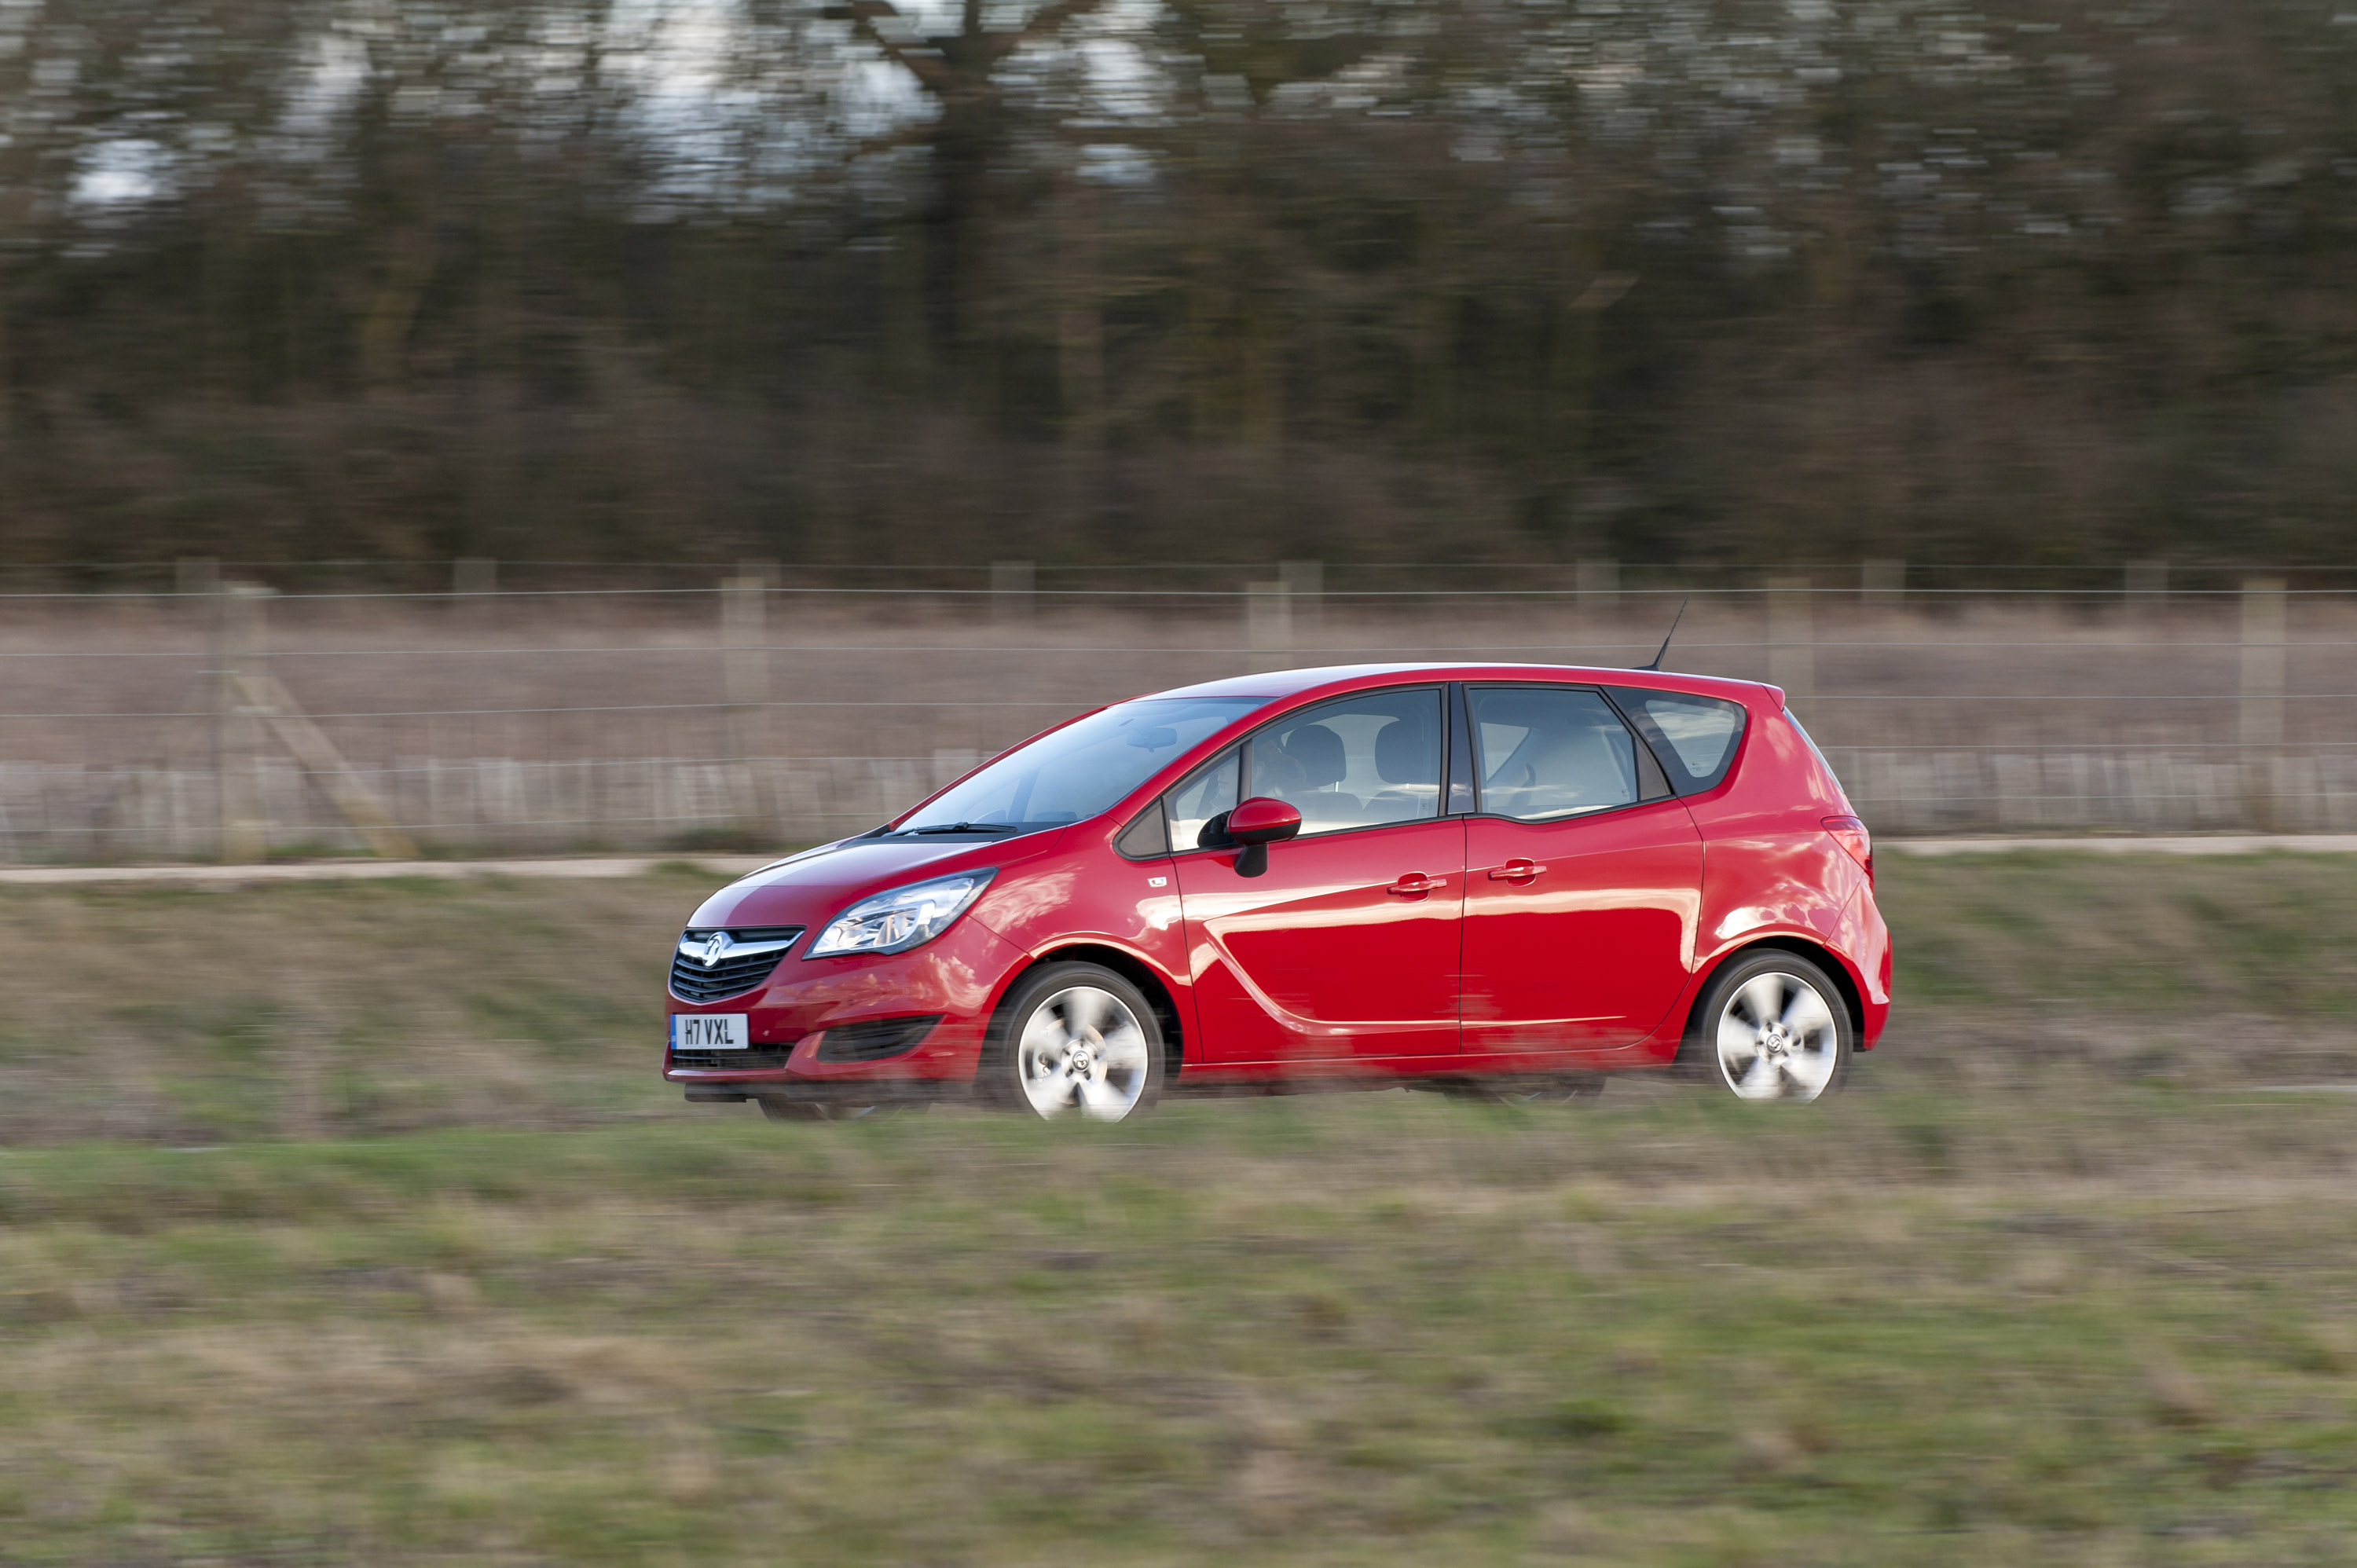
1076, 1039
1772, 1026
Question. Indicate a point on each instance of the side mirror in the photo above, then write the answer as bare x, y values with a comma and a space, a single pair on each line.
1256, 824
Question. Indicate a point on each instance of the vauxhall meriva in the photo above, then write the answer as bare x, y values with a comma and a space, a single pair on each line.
1499, 880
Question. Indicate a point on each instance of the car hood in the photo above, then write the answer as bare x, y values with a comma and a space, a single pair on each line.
815, 884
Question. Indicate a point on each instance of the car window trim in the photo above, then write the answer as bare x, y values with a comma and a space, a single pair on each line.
1635, 735
1237, 745
1458, 773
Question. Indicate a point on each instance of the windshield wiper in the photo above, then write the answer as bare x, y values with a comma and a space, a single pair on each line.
963, 828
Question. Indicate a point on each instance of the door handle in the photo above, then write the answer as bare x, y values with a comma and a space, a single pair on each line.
1416, 884
1516, 871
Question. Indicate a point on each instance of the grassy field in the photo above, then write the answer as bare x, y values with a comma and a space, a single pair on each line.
2050, 1285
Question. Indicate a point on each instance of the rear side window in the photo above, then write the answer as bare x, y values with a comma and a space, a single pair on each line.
1543, 753
1695, 736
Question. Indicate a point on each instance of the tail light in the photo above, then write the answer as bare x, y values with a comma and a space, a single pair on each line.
1851, 835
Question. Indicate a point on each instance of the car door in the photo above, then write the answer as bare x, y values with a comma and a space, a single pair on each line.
1584, 876
1346, 946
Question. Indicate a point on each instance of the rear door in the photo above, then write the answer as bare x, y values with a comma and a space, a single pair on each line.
1584, 876
1347, 945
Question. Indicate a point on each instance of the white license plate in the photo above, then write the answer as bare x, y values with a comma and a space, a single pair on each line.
710, 1032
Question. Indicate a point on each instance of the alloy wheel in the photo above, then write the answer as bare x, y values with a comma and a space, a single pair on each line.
1082, 1052
1777, 1039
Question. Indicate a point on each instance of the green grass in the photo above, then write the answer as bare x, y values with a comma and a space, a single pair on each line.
185, 1014
2046, 1286
2272, 935
1358, 1329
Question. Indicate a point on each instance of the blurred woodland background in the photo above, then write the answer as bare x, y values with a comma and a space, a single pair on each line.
1674, 282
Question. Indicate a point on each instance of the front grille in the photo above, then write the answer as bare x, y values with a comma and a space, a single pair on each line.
874, 1038
731, 1061
752, 953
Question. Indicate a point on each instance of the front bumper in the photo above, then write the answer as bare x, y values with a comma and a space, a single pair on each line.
957, 976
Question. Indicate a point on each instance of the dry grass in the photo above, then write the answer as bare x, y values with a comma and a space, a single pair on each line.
980, 685
552, 724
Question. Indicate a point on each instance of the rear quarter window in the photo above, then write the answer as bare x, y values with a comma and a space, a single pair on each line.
1695, 737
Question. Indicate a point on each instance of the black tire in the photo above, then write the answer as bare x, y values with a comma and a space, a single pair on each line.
1075, 1039
1788, 1041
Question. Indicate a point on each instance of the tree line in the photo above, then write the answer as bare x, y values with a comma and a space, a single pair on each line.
1093, 280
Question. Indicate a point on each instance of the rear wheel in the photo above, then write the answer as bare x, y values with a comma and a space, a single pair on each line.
1076, 1039
1771, 1026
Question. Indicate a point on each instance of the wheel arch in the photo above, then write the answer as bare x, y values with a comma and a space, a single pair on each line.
1130, 967
1824, 957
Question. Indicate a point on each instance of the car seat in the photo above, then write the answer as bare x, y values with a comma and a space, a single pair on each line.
1324, 762
1556, 772
1406, 755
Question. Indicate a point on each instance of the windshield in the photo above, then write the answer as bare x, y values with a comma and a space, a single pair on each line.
1083, 769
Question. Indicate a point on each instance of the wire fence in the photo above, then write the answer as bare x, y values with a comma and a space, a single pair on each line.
217, 717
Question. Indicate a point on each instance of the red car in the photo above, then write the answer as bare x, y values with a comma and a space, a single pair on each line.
1498, 880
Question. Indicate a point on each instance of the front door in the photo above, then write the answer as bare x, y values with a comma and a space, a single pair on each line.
1581, 893
1347, 945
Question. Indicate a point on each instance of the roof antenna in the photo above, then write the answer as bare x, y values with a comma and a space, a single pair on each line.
1656, 665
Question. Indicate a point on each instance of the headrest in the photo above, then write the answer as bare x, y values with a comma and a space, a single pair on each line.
1405, 753
1319, 752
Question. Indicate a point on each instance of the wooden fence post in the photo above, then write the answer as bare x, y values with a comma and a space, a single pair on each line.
1268, 627
1014, 592
196, 576
239, 651
2262, 712
1599, 586
744, 684
474, 590
1882, 584
1792, 644
1305, 586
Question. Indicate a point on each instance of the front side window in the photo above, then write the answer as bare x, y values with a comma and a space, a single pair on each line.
1360, 762
1549, 752
1695, 736
1074, 773
1211, 792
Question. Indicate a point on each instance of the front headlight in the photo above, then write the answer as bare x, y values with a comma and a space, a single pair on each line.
902, 919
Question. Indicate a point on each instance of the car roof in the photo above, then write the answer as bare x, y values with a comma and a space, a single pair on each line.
1339, 679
